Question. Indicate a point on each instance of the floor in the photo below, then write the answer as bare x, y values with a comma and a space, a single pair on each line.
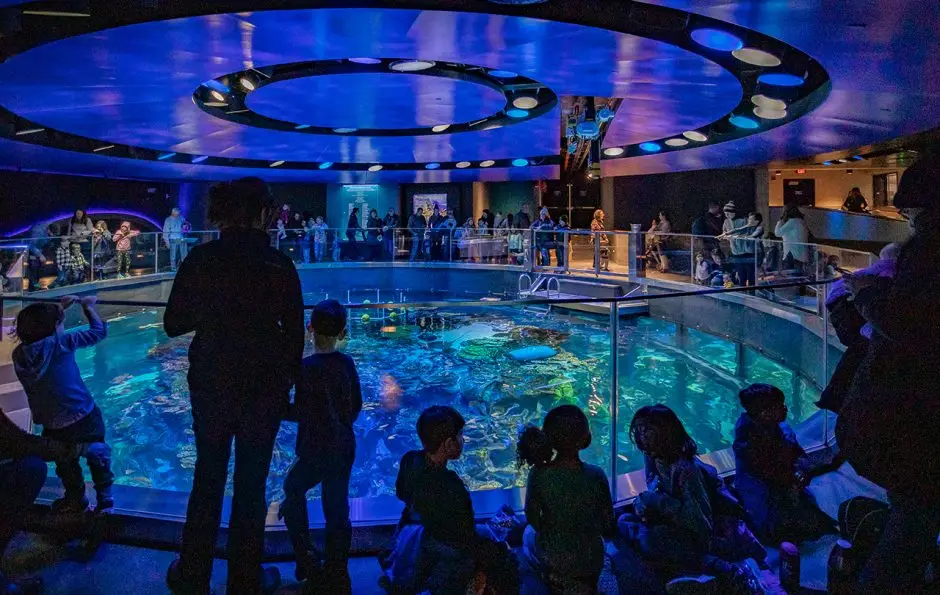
123, 570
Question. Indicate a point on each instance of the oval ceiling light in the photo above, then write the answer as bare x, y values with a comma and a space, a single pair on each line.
326, 165
517, 113
769, 102
614, 151
650, 147
375, 168
503, 74
520, 162
780, 79
464, 164
696, 136
365, 60
525, 102
200, 159
756, 57
487, 163
677, 142
769, 114
715, 39
215, 104
246, 83
301, 126
277, 163
166, 156
432, 166
440, 128
344, 130
492, 126
216, 95
411, 65
743, 122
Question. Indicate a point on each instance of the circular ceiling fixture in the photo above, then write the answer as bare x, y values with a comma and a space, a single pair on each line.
278, 163
715, 39
247, 84
767, 113
677, 142
375, 168
463, 164
237, 109
432, 165
614, 151
487, 163
743, 122
756, 57
325, 165
650, 147
503, 74
216, 95
525, 102
411, 65
780, 79
520, 162
694, 135
769, 102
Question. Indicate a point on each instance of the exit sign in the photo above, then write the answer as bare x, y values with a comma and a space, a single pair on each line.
801, 171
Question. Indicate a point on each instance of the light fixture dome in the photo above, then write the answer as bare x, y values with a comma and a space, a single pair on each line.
463, 164
487, 163
677, 142
614, 151
695, 135
525, 102
440, 128
412, 65
375, 168
756, 57
769, 102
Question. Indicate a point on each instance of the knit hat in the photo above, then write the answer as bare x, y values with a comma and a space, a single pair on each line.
920, 185
730, 207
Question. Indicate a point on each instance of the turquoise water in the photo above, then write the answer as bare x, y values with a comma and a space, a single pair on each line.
414, 359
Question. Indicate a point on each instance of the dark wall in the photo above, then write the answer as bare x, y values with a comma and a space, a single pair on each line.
685, 195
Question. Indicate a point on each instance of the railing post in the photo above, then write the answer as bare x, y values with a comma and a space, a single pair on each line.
91, 272
825, 363
567, 251
614, 394
636, 248
156, 253
692, 259
596, 237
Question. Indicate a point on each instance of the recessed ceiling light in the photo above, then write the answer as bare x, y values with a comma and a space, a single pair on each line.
614, 151
487, 163
463, 164
756, 57
411, 65
696, 136
503, 74
827, 163
200, 159
301, 126
166, 156
769, 102
769, 114
677, 142
365, 60
103, 148
517, 113
842, 160
492, 126
375, 168
326, 165
780, 79
246, 83
520, 162
432, 165
743, 122
344, 130
715, 39
525, 102
440, 128
29, 131
650, 147
277, 163
215, 104
216, 95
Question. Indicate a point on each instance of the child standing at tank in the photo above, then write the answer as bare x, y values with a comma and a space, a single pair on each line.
568, 504
327, 401
122, 246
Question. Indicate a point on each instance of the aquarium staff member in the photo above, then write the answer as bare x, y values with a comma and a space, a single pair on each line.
22, 473
243, 300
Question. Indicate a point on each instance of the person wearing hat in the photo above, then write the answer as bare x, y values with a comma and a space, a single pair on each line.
888, 426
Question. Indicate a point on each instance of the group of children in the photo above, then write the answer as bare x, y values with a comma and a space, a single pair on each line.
71, 264
686, 522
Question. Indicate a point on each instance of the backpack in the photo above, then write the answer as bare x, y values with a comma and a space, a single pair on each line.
861, 522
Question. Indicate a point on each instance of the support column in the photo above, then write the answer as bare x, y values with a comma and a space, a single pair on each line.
762, 193
481, 200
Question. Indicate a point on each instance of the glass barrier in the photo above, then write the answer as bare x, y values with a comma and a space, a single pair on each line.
503, 365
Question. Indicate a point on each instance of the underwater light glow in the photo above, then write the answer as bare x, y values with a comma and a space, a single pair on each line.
780, 79
650, 147
517, 113
715, 39
743, 122
519, 162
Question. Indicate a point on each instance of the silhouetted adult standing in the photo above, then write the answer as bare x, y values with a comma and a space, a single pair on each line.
243, 300
888, 426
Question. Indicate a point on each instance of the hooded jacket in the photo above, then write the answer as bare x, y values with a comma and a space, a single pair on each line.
47, 370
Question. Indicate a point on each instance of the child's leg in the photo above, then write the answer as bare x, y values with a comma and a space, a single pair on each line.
302, 477
335, 499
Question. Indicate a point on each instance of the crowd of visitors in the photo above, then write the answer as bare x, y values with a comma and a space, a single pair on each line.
687, 532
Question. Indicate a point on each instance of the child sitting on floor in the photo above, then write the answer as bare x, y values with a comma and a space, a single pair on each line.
327, 401
567, 504
44, 362
452, 553
773, 471
687, 521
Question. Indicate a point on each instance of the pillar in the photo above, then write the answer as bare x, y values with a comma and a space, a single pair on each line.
481, 199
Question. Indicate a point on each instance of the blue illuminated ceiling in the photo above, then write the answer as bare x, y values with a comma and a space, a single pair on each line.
133, 85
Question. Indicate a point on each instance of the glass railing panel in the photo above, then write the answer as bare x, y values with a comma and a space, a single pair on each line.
581, 251
14, 268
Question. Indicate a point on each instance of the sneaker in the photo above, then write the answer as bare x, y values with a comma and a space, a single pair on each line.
693, 585
26, 586
180, 585
69, 505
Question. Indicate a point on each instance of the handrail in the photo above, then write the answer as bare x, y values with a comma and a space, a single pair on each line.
478, 303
